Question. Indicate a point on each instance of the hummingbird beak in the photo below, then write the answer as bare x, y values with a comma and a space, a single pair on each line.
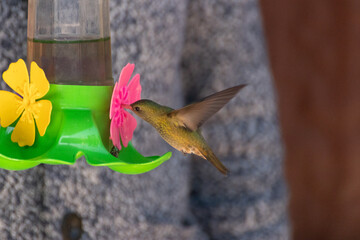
127, 106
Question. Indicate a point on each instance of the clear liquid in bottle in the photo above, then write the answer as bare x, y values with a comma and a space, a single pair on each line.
81, 62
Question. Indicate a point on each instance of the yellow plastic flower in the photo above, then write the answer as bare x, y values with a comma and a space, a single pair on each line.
12, 105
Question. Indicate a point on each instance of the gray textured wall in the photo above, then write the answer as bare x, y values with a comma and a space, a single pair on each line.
184, 50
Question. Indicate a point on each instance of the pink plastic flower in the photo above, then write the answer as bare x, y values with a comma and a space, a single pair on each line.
123, 123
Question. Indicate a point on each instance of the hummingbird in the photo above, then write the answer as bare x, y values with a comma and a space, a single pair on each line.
180, 127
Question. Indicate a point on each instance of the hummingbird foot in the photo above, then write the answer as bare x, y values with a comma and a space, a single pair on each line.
184, 153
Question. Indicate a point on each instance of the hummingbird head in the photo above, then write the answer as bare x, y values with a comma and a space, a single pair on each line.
146, 109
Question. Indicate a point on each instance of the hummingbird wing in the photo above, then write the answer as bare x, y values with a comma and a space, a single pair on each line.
194, 115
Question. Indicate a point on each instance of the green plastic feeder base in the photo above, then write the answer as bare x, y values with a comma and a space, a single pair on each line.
79, 127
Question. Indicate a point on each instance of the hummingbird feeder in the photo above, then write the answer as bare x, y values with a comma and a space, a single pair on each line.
60, 111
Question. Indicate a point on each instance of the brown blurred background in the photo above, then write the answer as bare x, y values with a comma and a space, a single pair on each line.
314, 49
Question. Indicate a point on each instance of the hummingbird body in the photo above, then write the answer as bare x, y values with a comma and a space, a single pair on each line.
180, 128
179, 137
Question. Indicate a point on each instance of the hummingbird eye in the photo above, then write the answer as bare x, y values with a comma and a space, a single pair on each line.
137, 109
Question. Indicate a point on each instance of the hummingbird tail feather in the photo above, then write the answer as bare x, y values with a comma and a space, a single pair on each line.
210, 156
